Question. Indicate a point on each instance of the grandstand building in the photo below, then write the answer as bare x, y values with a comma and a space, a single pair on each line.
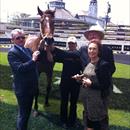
116, 36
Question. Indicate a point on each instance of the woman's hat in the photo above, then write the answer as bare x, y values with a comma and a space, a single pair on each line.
95, 28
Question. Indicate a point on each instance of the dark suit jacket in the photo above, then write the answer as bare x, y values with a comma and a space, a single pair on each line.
24, 71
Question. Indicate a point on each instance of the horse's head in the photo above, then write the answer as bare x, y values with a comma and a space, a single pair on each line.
46, 23
47, 30
46, 33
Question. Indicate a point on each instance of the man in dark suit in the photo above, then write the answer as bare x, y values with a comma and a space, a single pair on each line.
25, 76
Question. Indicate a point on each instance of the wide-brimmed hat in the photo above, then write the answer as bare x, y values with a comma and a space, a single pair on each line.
72, 39
95, 28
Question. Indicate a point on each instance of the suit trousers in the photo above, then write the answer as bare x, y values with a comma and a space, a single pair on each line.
25, 105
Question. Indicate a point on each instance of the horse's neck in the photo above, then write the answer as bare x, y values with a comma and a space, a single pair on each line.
33, 42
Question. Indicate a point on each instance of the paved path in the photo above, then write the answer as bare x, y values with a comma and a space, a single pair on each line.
122, 58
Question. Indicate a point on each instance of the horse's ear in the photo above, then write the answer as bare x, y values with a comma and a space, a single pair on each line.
40, 12
54, 11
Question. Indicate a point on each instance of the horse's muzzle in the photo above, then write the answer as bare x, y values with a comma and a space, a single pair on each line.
49, 40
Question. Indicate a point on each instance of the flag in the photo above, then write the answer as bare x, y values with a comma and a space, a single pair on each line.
109, 8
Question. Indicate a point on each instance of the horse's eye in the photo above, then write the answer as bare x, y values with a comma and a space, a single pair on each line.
41, 20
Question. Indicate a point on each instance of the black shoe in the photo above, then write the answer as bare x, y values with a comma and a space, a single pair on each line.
73, 125
64, 125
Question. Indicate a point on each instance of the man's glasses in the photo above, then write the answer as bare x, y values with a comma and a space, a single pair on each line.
20, 37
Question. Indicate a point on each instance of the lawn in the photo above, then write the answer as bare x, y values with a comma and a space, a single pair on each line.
119, 109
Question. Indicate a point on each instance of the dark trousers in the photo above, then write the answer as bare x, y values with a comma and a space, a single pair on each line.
69, 92
24, 110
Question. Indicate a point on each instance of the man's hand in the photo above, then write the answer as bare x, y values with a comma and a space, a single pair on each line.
35, 55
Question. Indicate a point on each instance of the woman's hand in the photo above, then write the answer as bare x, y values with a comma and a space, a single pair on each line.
86, 82
78, 77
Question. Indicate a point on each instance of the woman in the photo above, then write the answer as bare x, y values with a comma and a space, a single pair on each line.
96, 81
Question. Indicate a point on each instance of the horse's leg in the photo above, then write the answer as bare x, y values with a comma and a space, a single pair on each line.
48, 89
35, 112
36, 103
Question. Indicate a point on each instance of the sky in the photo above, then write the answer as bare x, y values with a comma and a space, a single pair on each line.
120, 9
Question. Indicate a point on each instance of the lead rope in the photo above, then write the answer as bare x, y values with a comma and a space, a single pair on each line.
47, 48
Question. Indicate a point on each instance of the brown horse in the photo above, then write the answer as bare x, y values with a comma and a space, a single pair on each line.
41, 42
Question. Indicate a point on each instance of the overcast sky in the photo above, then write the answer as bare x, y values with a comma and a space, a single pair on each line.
120, 9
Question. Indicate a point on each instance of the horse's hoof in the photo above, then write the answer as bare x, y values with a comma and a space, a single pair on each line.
35, 113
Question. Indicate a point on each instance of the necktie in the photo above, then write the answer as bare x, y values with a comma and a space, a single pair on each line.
25, 51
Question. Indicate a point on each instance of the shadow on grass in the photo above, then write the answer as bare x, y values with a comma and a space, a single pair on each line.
54, 119
112, 127
121, 100
47, 120
5, 77
6, 81
8, 115
117, 101
54, 123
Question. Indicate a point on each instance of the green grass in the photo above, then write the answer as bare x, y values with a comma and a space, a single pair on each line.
119, 110
122, 71
3, 58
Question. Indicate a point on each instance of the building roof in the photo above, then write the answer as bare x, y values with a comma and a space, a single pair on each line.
59, 14
63, 14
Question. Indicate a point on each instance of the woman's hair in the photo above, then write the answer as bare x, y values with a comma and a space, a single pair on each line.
98, 43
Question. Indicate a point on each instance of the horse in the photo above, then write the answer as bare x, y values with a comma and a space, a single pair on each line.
42, 42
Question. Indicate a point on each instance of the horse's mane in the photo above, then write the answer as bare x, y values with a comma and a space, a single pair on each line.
52, 13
